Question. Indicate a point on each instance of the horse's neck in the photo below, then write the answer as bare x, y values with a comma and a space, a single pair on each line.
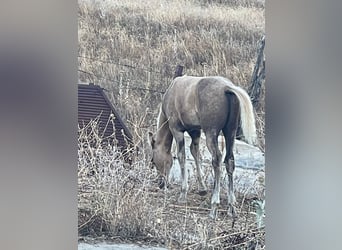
164, 136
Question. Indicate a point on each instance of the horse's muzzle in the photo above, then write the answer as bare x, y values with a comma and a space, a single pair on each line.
162, 182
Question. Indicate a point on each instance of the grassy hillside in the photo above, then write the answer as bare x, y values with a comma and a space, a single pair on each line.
132, 48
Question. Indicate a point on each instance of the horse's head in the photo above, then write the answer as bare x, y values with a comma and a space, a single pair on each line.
161, 160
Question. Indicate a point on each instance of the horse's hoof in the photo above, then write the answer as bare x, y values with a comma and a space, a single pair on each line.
202, 192
231, 213
212, 215
181, 200
233, 216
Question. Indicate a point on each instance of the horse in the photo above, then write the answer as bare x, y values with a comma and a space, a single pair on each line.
193, 104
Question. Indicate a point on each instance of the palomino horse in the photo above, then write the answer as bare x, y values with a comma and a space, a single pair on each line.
212, 104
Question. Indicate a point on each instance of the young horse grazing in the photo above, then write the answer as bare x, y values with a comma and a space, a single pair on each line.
212, 104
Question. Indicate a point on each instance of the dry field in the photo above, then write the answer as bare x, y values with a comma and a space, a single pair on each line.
120, 203
131, 48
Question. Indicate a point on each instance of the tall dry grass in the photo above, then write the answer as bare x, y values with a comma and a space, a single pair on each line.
111, 195
132, 47
122, 202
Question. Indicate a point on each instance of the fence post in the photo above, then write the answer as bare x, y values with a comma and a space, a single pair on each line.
258, 75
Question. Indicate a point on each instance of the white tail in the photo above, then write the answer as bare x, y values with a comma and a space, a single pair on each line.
247, 113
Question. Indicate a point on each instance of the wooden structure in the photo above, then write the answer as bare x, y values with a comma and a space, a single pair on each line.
94, 104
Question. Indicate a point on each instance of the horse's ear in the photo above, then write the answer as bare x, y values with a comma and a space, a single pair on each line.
151, 138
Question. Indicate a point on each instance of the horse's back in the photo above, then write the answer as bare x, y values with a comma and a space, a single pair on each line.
198, 102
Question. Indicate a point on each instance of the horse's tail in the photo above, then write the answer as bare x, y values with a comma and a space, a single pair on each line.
246, 113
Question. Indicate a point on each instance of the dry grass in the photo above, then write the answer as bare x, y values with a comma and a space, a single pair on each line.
131, 48
122, 202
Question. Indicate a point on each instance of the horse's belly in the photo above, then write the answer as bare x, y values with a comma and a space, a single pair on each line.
191, 120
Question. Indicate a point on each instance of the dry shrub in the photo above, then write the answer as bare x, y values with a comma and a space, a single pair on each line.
111, 193
122, 201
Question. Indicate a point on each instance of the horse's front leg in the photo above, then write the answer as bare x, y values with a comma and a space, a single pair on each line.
194, 149
179, 137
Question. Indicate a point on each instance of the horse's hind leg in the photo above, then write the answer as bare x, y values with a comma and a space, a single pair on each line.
212, 145
179, 137
229, 132
194, 149
230, 167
